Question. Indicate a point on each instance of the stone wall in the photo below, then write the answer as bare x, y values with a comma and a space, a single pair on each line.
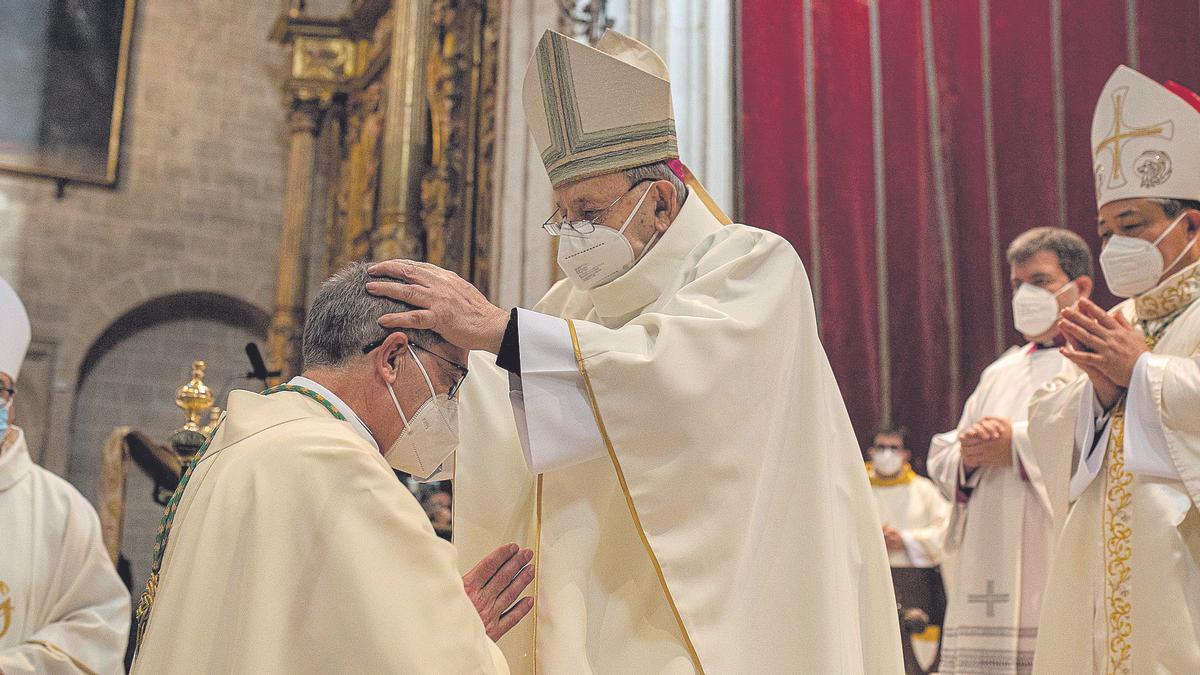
197, 209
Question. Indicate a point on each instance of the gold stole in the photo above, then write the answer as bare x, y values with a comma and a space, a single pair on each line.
1118, 547
1156, 311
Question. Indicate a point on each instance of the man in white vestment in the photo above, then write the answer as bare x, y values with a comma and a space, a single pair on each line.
63, 609
290, 546
914, 516
663, 427
1124, 589
1001, 531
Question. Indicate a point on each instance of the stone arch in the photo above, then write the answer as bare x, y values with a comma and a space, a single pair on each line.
128, 376
111, 301
101, 306
222, 308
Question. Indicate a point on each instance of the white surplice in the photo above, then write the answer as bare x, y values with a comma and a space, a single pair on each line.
1124, 588
1001, 529
63, 609
912, 505
702, 503
296, 550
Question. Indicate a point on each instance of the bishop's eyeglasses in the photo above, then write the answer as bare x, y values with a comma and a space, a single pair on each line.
558, 225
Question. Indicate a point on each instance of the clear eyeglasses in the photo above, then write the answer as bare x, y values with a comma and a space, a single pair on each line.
557, 225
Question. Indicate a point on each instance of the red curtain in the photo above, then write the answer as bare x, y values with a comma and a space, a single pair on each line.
900, 145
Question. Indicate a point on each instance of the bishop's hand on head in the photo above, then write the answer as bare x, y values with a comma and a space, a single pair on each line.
444, 303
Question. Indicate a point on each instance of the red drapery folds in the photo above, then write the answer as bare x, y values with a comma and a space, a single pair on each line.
900, 146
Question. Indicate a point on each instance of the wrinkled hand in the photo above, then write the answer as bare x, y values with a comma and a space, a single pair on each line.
446, 304
1101, 343
891, 537
987, 442
495, 584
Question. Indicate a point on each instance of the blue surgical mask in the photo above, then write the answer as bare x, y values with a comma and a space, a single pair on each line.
4, 419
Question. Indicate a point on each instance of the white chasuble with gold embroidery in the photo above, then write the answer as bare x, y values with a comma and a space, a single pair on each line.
708, 510
1124, 588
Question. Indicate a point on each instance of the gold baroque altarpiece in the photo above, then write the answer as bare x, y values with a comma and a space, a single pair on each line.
392, 123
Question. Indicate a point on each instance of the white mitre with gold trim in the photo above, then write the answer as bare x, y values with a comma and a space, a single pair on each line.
14, 331
1145, 139
598, 110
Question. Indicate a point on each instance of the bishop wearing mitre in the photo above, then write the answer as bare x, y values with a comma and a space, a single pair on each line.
63, 609
1123, 594
663, 427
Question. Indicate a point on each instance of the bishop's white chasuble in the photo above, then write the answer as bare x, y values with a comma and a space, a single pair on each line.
295, 549
1124, 588
711, 513
63, 609
1001, 531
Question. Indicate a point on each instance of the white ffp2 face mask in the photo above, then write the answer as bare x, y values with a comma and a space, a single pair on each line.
594, 259
1133, 266
1036, 309
887, 462
429, 437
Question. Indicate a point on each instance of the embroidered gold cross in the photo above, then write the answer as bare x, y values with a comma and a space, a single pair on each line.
1122, 134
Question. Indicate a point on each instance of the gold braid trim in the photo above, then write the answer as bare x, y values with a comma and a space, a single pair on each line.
633, 512
1118, 548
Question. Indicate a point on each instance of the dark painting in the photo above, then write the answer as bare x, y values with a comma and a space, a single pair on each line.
63, 66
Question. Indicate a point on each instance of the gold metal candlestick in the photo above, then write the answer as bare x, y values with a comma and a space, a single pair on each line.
195, 398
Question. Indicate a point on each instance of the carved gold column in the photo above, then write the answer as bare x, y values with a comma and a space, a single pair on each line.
323, 59
283, 342
403, 135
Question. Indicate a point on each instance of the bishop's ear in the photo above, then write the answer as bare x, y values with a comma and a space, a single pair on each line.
666, 201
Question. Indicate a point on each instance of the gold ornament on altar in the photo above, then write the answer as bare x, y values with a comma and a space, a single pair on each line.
195, 398
214, 418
